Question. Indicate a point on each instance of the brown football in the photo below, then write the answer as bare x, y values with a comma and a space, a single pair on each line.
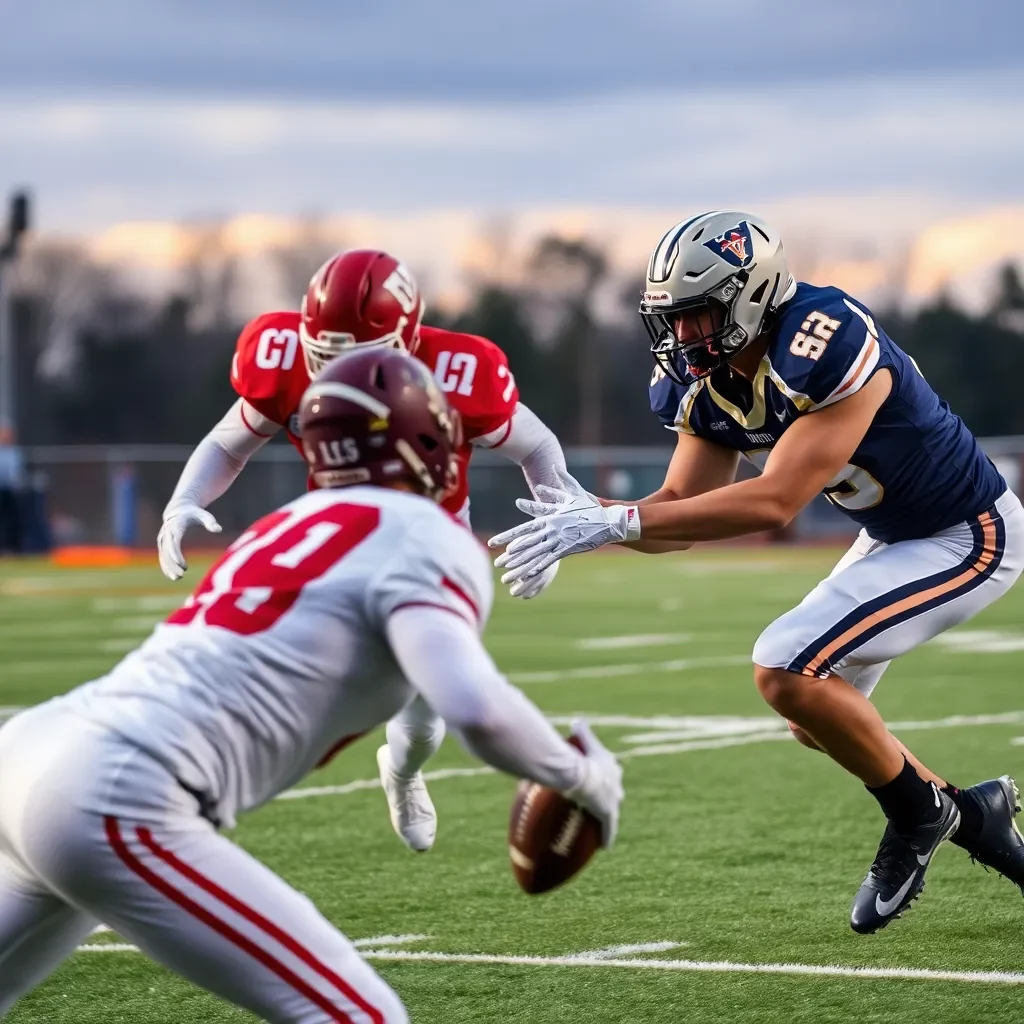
550, 838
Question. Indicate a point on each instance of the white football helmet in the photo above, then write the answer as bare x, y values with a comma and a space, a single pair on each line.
728, 265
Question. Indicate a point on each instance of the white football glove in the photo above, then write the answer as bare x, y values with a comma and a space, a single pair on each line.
168, 541
527, 589
600, 791
575, 522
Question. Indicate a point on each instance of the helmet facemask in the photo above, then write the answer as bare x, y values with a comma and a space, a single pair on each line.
719, 338
326, 345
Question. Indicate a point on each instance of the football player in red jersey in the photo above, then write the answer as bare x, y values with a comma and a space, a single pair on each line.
364, 297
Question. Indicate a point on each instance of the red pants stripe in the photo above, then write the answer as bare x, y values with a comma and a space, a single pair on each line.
137, 867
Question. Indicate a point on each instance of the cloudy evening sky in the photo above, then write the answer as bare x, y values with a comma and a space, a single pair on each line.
136, 109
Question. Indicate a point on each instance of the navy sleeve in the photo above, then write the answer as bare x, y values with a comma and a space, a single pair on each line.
827, 353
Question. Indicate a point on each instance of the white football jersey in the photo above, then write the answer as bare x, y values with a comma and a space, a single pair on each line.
279, 658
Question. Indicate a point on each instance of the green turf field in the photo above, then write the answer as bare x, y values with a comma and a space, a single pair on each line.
736, 851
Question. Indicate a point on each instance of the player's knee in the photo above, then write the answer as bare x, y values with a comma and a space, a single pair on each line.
802, 737
780, 689
417, 722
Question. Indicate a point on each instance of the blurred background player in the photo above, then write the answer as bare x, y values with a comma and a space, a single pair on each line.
312, 629
803, 382
364, 297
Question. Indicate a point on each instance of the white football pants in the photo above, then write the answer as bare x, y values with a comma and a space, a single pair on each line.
92, 829
883, 600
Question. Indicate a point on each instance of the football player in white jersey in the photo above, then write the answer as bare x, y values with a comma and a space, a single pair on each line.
317, 625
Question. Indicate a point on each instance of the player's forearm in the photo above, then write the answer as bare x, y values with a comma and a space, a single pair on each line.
218, 459
443, 658
516, 738
661, 494
751, 506
530, 444
652, 547
657, 547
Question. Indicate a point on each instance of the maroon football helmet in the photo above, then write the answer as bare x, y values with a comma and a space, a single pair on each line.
359, 297
376, 416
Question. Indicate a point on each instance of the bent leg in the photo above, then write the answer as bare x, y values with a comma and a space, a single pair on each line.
838, 719
880, 602
414, 736
38, 932
202, 906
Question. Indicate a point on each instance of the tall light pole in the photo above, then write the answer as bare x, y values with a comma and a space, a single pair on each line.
17, 225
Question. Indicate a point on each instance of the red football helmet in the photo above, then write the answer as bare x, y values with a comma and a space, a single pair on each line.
359, 297
375, 415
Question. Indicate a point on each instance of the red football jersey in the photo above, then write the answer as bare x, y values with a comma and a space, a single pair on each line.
269, 372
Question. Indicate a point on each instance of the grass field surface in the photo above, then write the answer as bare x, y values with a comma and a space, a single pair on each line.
727, 896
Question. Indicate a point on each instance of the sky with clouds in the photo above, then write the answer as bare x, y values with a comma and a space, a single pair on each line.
139, 109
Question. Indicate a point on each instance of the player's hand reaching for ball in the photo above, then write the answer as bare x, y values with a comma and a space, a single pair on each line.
168, 541
600, 791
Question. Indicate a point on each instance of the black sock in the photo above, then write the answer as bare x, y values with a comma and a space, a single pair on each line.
970, 818
908, 801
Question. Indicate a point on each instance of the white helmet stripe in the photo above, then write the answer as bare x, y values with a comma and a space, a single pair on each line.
660, 261
335, 389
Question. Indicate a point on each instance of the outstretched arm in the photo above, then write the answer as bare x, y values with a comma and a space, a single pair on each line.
443, 658
528, 442
697, 466
811, 453
209, 472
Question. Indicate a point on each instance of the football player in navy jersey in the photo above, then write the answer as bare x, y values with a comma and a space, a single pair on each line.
804, 383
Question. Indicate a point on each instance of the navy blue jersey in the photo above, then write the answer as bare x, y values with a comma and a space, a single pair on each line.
918, 469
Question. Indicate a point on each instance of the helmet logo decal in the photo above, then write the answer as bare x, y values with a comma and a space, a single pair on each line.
734, 246
401, 284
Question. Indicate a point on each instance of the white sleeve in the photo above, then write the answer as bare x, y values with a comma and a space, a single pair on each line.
439, 565
444, 659
220, 456
529, 443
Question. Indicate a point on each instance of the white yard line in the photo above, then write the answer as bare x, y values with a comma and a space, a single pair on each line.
142, 603
616, 956
633, 669
616, 643
657, 749
980, 641
118, 644
389, 940
701, 725
58, 629
959, 721
615, 952
761, 731
711, 967
360, 784
31, 586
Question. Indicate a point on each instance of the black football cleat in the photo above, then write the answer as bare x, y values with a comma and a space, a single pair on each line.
896, 877
999, 845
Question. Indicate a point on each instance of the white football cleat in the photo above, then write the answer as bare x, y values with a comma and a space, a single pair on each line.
412, 811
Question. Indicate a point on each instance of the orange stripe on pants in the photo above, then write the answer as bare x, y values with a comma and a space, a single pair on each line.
988, 552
